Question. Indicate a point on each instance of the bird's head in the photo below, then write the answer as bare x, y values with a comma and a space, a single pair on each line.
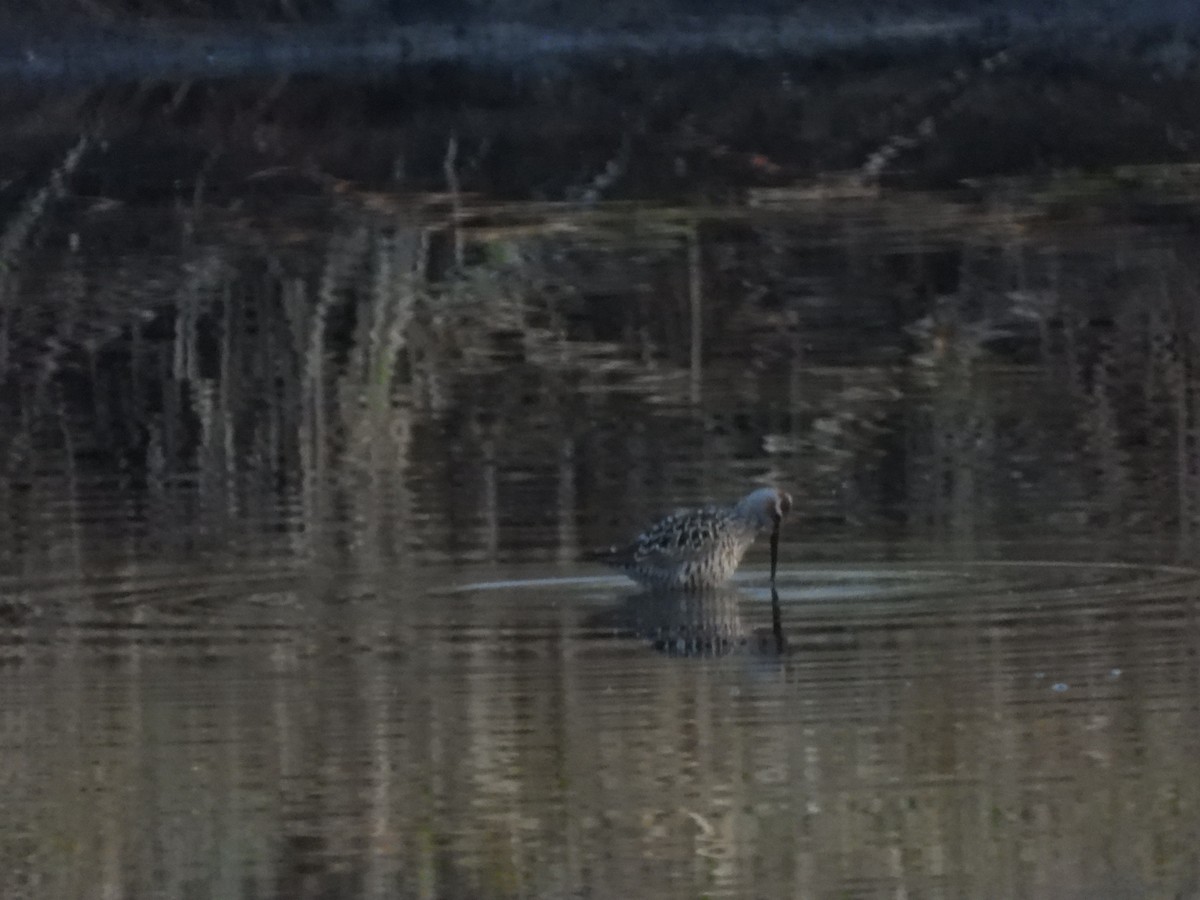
765, 508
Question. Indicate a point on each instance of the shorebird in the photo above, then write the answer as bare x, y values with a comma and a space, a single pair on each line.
698, 549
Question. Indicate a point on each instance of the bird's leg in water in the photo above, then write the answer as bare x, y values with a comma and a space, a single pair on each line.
774, 553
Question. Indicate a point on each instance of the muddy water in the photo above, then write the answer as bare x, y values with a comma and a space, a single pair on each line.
294, 602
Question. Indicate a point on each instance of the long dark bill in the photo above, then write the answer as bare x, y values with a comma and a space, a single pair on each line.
774, 552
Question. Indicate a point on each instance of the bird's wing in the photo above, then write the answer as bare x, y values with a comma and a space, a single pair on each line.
679, 538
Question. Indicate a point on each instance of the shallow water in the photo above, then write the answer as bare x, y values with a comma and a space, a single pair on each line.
292, 592
950, 728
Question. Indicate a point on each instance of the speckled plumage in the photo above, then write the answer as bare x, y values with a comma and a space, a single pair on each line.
699, 548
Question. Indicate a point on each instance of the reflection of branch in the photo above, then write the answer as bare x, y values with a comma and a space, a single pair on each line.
449, 168
17, 231
16, 234
697, 312
952, 91
612, 172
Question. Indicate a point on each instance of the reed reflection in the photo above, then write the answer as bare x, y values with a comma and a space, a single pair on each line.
233, 474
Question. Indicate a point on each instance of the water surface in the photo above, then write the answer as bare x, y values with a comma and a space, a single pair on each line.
295, 505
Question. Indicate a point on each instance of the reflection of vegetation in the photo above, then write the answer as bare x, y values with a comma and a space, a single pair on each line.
488, 764
410, 362
387, 382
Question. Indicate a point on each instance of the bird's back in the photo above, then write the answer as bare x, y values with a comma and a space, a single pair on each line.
689, 550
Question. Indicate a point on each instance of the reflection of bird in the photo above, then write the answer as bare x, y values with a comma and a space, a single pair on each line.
681, 623
701, 548
694, 623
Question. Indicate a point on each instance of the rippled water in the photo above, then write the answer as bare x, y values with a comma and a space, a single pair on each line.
293, 599
1020, 729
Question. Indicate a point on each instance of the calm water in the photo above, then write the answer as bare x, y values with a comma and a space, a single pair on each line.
295, 502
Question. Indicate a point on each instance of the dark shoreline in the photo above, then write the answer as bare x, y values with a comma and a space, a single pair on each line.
79, 51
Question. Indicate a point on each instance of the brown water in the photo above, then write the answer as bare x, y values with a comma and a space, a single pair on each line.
295, 503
